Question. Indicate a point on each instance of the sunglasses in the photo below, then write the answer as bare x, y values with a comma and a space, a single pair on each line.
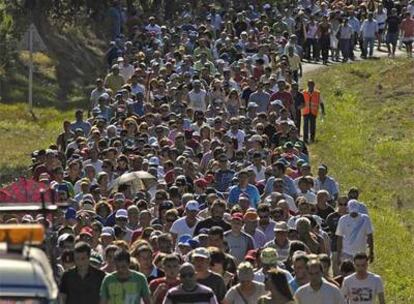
187, 275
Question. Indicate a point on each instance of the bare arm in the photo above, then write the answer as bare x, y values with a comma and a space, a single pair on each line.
339, 248
62, 298
381, 298
370, 240
146, 300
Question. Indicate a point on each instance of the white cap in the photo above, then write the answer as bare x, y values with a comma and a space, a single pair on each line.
353, 206
192, 205
121, 213
154, 161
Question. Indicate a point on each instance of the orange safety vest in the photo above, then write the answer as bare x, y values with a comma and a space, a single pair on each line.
312, 101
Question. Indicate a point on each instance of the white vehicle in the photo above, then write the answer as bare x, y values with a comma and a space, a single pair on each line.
26, 276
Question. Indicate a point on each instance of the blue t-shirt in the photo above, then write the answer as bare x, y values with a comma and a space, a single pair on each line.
251, 191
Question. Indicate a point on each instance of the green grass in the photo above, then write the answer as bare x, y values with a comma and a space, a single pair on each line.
20, 134
366, 140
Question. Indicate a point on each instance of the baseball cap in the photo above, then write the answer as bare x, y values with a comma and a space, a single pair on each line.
154, 161
281, 226
250, 216
108, 231
121, 213
119, 197
86, 231
237, 216
252, 105
192, 205
201, 252
353, 206
323, 167
27, 219
277, 102
269, 256
201, 182
251, 255
70, 214
184, 240
65, 237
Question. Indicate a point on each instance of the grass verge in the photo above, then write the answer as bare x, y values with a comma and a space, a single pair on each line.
20, 134
366, 140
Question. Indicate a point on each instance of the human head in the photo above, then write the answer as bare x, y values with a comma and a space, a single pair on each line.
245, 272
200, 257
82, 253
216, 237
122, 260
276, 282
361, 263
171, 265
300, 259
188, 276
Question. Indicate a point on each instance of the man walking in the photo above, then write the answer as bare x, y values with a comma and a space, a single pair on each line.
313, 101
354, 233
318, 290
124, 285
362, 287
189, 290
80, 285
369, 31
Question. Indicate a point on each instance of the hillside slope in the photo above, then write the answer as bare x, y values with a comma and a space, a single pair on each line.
366, 140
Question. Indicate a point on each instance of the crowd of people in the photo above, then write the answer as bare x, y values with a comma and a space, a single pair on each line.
214, 109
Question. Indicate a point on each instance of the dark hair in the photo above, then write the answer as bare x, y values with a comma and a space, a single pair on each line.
121, 255
67, 256
83, 247
171, 258
111, 247
347, 266
263, 208
216, 230
278, 279
217, 256
361, 256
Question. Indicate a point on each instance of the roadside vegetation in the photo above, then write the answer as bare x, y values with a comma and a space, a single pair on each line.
366, 139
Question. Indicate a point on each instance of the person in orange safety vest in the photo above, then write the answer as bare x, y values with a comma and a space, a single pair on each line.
313, 101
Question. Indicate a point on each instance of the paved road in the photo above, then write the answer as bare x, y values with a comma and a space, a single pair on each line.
312, 66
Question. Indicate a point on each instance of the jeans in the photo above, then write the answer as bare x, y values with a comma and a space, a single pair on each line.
345, 46
369, 43
324, 44
309, 125
311, 43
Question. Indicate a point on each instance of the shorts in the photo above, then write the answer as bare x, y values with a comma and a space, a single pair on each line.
392, 38
408, 40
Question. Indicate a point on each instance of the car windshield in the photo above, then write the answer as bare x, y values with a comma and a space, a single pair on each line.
23, 300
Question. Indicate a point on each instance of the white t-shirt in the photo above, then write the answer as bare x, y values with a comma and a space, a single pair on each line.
198, 100
328, 293
180, 227
354, 232
126, 71
240, 135
153, 28
260, 277
233, 296
362, 291
260, 175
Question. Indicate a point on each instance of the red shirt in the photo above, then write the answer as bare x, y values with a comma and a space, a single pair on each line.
285, 97
407, 25
155, 283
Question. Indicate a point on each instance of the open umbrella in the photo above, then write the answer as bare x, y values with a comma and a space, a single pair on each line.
23, 191
138, 180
